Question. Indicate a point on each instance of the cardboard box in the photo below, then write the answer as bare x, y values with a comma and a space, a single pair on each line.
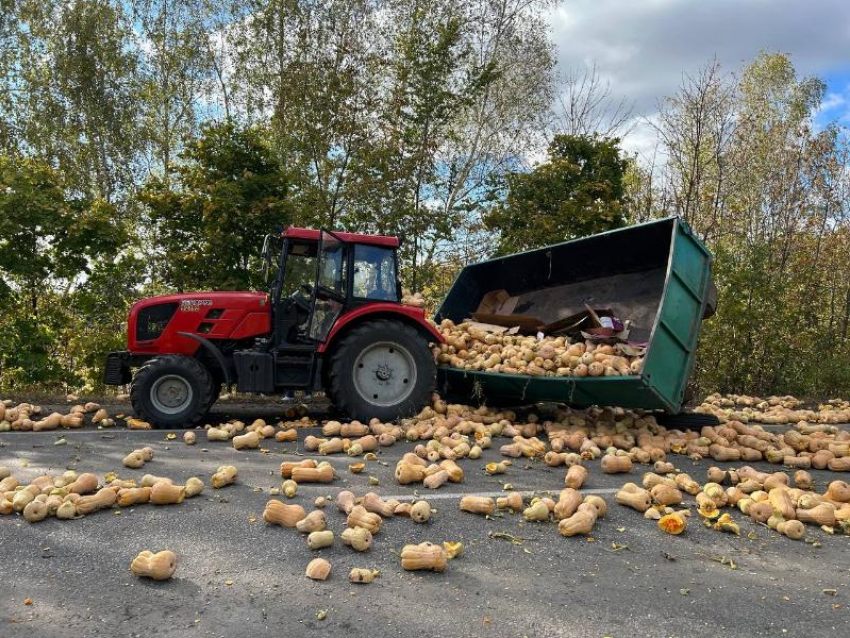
526, 325
497, 302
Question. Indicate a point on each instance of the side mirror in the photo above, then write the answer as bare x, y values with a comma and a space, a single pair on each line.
266, 256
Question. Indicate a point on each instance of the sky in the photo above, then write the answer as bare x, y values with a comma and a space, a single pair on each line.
642, 47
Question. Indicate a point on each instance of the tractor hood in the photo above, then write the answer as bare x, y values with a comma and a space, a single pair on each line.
161, 324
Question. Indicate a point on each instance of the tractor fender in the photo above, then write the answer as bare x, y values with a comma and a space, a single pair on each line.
414, 317
214, 351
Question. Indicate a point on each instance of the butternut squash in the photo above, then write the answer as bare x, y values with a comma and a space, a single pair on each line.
345, 501
224, 475
84, 484
599, 503
437, 479
793, 529
420, 512
287, 466
512, 501
477, 505
537, 511
359, 517
673, 523
35, 511
282, 436
781, 503
133, 496
318, 569
665, 495
67, 510
424, 556
612, 464
838, 491
322, 473
148, 480
247, 441
823, 514
315, 521
361, 575
759, 511
687, 484
163, 493
289, 488
576, 476
193, 487
406, 473
635, 497
568, 501
159, 566
105, 497
581, 522
280, 513
358, 538
320, 539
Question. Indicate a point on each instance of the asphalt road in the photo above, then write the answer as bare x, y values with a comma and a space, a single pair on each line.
239, 577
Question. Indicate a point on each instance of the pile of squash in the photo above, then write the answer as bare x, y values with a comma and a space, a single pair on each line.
773, 410
470, 347
26, 417
353, 438
364, 518
248, 437
621, 438
575, 514
73, 495
764, 497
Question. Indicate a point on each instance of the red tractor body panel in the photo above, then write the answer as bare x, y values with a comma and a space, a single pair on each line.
212, 315
382, 308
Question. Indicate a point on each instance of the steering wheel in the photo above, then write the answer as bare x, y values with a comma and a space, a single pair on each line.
308, 289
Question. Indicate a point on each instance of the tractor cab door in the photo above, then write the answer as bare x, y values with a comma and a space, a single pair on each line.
330, 293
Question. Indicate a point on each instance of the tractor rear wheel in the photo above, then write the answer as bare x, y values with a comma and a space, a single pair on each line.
172, 391
382, 369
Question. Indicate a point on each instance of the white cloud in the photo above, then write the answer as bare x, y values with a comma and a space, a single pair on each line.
642, 47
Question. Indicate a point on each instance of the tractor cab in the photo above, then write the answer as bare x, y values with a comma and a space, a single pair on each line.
321, 275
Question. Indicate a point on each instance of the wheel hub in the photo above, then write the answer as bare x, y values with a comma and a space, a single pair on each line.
384, 374
171, 394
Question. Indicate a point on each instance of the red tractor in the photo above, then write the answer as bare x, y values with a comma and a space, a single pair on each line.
333, 321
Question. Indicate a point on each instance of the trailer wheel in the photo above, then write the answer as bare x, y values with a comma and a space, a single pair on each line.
382, 369
172, 391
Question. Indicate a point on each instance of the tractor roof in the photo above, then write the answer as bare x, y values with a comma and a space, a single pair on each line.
355, 238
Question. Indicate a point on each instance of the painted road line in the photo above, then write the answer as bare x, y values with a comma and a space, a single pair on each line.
437, 496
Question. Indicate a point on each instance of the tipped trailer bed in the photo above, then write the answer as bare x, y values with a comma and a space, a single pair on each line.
657, 275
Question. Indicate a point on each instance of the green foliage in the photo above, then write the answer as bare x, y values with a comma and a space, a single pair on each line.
579, 191
49, 241
767, 193
225, 196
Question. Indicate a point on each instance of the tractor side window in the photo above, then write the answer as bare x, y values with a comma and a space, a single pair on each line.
332, 267
374, 273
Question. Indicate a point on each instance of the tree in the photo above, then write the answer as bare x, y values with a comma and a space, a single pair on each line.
578, 191
225, 196
74, 92
50, 241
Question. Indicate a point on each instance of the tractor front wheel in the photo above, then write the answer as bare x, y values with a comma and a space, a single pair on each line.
382, 369
172, 391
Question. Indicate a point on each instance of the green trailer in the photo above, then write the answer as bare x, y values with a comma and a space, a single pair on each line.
657, 275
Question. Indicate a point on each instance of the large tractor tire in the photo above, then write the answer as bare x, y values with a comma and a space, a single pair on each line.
172, 391
382, 369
